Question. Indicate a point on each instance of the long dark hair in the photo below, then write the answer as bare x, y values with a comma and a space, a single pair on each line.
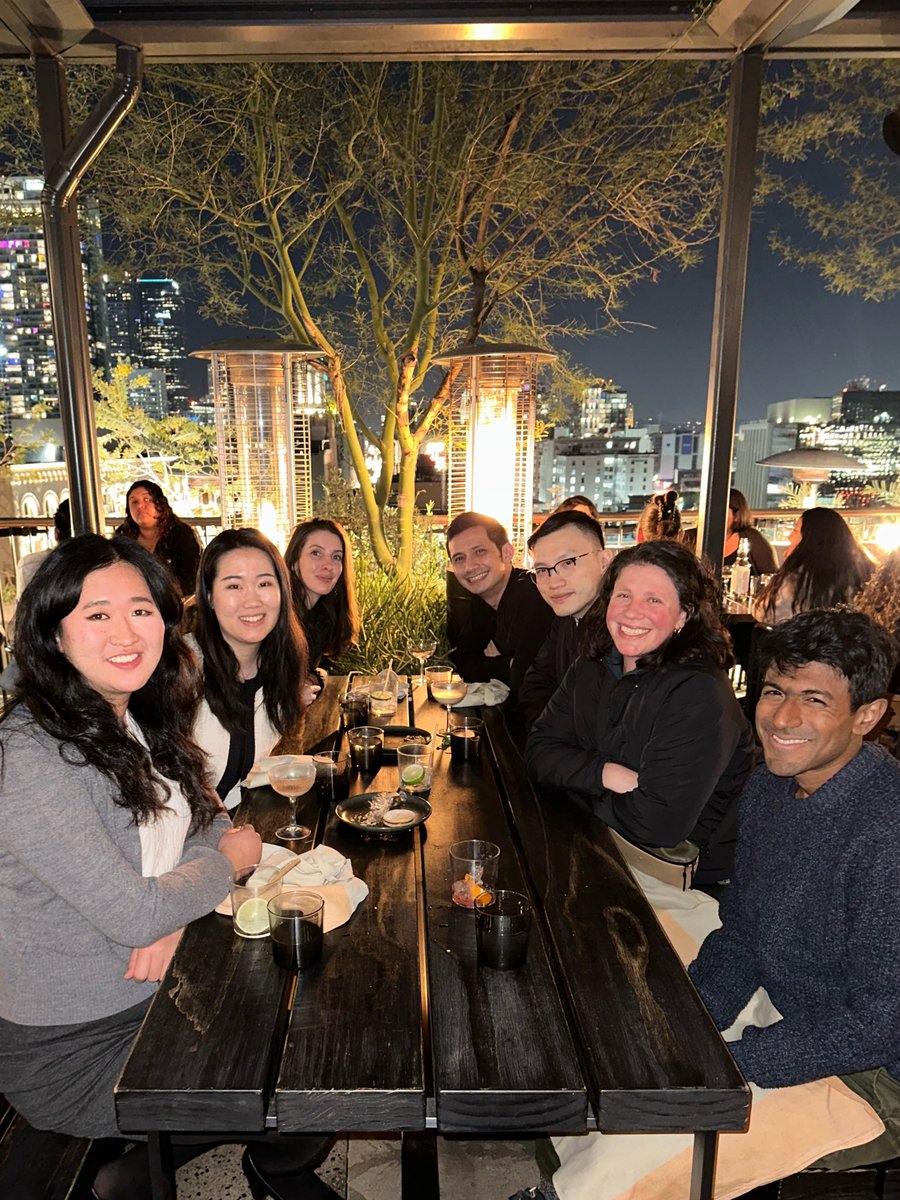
167, 518
741, 513
64, 705
340, 628
702, 638
282, 654
661, 518
826, 567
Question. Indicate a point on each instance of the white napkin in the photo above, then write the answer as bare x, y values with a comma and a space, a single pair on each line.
321, 870
493, 692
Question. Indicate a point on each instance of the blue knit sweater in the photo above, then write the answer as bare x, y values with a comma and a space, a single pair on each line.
813, 916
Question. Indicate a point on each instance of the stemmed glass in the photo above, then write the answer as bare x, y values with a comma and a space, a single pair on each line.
446, 688
421, 649
293, 777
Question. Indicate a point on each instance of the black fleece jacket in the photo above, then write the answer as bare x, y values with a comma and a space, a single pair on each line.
681, 729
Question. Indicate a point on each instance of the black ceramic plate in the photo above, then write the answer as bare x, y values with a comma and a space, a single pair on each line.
357, 812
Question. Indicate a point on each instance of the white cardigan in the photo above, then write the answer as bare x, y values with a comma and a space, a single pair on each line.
214, 739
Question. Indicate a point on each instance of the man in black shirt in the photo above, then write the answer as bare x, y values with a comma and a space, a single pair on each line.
569, 561
497, 620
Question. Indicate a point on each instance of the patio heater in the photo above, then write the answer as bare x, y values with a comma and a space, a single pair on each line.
493, 397
264, 392
811, 466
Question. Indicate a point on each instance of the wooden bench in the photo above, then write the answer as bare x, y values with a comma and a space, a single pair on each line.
38, 1165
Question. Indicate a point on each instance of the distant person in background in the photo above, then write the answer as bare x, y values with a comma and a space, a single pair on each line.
823, 568
578, 504
569, 559
497, 622
253, 655
661, 519
323, 588
26, 566
739, 526
153, 525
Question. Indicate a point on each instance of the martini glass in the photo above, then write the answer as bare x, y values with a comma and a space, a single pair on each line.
446, 687
421, 649
293, 777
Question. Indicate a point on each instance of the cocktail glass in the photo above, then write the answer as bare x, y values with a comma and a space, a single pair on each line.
293, 777
421, 649
446, 688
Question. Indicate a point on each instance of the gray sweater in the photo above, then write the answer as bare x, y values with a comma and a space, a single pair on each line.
72, 897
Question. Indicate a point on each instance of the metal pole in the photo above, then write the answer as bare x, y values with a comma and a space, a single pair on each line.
66, 159
728, 313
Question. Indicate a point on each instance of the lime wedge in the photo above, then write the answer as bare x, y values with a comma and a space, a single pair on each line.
252, 916
412, 775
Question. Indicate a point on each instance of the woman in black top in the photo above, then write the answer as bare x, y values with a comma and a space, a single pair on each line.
323, 588
153, 525
740, 525
645, 730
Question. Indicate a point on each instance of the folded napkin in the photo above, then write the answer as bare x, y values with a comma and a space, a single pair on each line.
321, 870
492, 692
258, 775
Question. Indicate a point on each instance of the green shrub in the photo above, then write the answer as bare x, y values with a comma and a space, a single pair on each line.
392, 612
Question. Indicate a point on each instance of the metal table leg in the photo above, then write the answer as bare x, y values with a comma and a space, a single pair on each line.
419, 1166
703, 1167
162, 1170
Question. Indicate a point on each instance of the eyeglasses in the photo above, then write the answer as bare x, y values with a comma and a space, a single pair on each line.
564, 567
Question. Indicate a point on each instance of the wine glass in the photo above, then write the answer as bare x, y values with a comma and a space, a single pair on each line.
446, 687
421, 649
293, 776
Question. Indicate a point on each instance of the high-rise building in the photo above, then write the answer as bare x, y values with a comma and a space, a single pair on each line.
605, 409
160, 307
756, 440
123, 324
27, 353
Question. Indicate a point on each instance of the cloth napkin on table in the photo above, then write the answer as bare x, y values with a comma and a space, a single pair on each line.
321, 870
492, 692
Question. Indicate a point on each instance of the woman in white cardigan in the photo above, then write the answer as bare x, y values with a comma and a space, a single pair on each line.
254, 656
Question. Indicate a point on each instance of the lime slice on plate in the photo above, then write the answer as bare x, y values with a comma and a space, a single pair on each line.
412, 775
253, 916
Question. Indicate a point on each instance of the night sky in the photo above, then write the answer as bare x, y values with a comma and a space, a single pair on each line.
799, 340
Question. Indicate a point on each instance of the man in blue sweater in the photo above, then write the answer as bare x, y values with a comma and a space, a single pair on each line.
813, 911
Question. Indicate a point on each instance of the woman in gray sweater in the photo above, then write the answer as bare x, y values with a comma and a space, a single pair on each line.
111, 838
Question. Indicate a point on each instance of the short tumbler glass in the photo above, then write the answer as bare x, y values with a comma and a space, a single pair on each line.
295, 921
473, 870
502, 925
250, 893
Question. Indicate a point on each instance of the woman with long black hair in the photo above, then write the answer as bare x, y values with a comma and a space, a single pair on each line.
254, 656
151, 522
111, 838
823, 568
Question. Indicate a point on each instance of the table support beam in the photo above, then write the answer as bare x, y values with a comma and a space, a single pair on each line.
162, 1169
703, 1165
419, 1179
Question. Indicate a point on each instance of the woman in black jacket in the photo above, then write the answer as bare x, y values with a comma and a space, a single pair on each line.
645, 730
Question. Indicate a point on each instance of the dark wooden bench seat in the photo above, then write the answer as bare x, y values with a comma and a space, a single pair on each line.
37, 1165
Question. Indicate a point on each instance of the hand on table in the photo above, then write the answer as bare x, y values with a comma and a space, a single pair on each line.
151, 962
617, 778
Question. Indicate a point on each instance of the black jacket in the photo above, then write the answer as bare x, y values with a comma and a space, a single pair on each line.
546, 673
681, 729
518, 627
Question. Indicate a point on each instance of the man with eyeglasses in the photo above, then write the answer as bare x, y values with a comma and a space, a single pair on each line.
497, 620
569, 559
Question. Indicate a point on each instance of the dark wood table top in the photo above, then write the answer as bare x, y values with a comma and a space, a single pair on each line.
399, 1029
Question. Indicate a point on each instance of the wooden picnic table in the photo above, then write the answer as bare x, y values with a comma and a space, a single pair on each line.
398, 1029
